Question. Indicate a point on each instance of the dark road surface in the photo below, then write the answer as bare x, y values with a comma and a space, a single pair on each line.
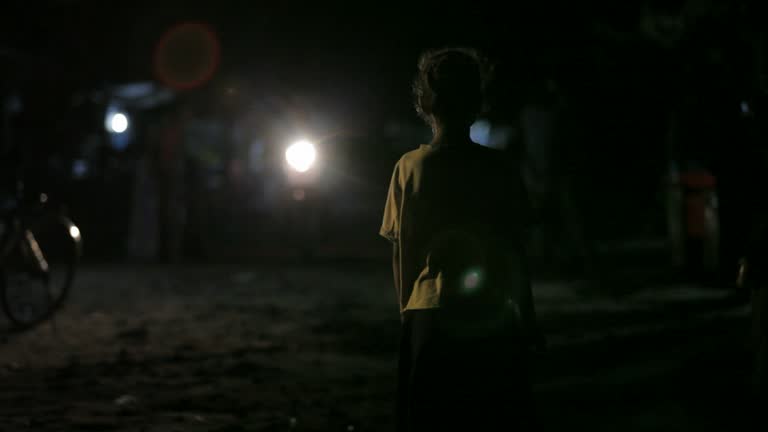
314, 348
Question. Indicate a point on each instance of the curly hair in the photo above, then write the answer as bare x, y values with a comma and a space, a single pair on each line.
450, 85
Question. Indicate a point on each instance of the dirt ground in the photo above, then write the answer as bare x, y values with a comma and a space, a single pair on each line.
150, 349
314, 348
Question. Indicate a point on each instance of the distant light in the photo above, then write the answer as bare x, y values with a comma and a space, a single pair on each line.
480, 132
117, 123
74, 232
745, 107
472, 280
79, 168
301, 155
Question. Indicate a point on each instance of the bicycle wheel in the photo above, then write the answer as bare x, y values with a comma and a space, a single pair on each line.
38, 274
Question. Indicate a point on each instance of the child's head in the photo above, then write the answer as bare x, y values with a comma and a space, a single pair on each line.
449, 87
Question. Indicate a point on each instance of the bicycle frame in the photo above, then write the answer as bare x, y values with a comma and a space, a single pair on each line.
16, 229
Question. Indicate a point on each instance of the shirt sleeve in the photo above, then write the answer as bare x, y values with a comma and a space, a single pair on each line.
390, 224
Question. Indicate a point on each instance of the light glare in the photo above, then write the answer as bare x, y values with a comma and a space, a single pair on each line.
74, 232
301, 155
472, 281
118, 123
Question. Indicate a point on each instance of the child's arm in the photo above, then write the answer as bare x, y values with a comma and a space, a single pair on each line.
390, 227
396, 276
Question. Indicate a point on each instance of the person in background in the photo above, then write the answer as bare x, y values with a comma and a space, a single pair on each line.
457, 216
752, 280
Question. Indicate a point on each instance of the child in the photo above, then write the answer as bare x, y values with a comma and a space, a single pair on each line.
456, 214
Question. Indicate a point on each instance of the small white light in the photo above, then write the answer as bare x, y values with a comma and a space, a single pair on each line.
118, 123
301, 155
74, 232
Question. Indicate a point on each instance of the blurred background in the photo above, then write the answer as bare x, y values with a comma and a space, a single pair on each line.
263, 135
163, 126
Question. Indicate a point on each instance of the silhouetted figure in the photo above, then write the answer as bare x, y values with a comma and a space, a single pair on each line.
457, 215
750, 210
753, 275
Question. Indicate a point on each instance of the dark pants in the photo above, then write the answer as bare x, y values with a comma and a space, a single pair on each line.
454, 379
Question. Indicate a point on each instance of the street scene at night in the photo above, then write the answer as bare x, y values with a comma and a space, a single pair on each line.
239, 217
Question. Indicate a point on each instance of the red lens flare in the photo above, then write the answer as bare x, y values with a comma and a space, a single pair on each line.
187, 56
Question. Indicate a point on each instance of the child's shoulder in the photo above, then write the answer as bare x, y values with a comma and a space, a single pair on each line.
418, 156
415, 156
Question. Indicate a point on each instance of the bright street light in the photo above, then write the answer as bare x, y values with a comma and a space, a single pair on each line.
301, 155
117, 123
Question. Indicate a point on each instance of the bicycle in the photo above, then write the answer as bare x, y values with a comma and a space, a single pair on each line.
39, 251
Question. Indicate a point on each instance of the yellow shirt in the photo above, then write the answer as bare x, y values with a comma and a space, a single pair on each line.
454, 213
